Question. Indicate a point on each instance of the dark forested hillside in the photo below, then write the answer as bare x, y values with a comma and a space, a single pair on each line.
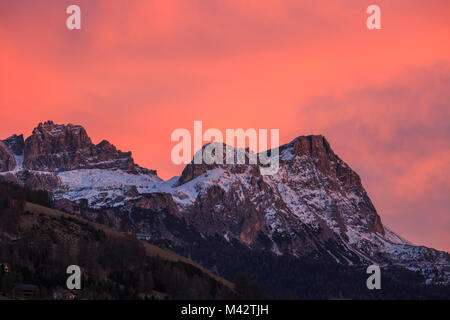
306, 278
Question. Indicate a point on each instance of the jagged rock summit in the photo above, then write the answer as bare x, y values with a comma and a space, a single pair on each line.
55, 148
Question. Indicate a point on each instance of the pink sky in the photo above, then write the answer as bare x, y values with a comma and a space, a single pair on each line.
137, 70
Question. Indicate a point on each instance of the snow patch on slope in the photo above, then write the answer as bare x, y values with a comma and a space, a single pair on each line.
103, 187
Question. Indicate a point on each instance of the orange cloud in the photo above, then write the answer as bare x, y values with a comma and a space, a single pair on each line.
425, 176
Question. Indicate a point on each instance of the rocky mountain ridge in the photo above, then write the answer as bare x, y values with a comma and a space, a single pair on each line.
314, 206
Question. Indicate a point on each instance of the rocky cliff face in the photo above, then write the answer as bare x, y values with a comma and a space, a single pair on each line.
54, 147
314, 206
16, 144
7, 161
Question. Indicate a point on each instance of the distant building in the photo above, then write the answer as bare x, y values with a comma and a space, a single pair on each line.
58, 295
63, 294
26, 291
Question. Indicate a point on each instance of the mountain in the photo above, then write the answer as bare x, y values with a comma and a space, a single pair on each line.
313, 209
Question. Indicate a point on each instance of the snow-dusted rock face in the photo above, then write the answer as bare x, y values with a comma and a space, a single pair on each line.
314, 206
7, 161
16, 144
